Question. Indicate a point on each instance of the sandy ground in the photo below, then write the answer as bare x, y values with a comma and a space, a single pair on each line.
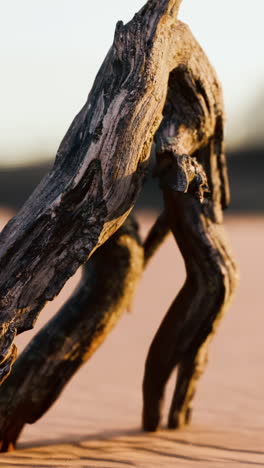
96, 422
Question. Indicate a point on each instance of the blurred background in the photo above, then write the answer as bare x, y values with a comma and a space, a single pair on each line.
50, 55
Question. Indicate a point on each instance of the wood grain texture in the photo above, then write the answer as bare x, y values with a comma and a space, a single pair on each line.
72, 336
193, 178
100, 165
187, 328
98, 171
155, 82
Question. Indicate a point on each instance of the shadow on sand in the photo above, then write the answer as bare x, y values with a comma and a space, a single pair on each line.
136, 448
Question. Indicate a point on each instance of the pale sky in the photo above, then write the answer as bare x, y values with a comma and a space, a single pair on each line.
51, 51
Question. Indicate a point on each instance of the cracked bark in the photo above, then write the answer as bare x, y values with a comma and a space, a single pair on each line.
71, 337
98, 171
193, 178
155, 80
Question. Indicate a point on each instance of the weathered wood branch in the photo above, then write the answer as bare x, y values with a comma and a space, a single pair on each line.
98, 171
155, 80
73, 335
69, 339
192, 318
192, 172
156, 236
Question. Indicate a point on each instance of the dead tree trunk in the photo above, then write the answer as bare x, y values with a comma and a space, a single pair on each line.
155, 80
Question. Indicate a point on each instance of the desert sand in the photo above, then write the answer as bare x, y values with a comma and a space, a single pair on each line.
96, 421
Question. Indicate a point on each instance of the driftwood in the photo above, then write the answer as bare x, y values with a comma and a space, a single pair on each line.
195, 191
73, 335
155, 81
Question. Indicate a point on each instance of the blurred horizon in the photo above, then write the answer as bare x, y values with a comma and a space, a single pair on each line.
53, 51
245, 170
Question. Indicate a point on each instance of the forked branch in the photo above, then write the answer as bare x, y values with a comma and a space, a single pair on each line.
154, 81
98, 172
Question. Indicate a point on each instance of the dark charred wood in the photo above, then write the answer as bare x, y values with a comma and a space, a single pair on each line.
98, 171
155, 237
70, 338
100, 165
189, 324
154, 81
193, 178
